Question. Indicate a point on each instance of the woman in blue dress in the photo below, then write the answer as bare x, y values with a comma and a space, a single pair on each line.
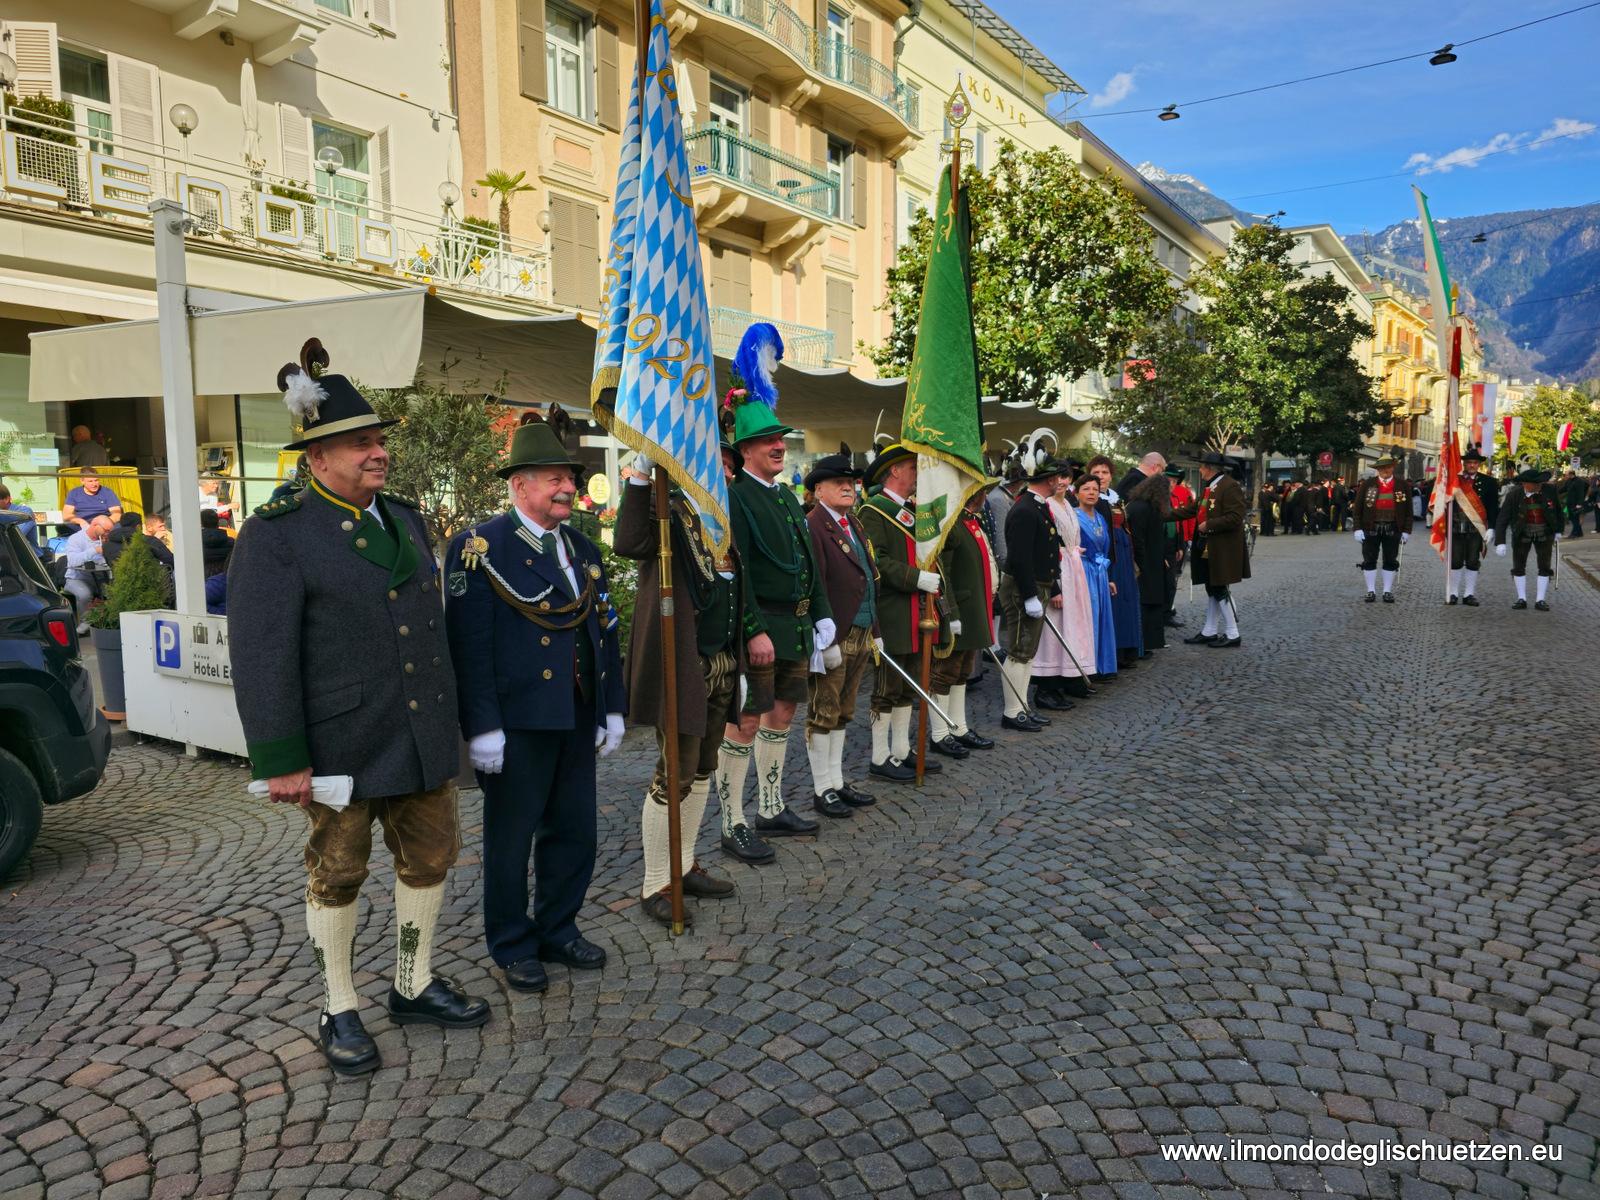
1095, 547
1125, 613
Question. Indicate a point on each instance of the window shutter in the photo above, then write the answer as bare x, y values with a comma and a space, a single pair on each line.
530, 49
295, 135
608, 109
563, 272
382, 179
586, 237
33, 45
858, 187
861, 36
761, 118
819, 20
700, 81
136, 99
841, 322
382, 14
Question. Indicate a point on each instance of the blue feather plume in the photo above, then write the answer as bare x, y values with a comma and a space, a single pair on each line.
757, 361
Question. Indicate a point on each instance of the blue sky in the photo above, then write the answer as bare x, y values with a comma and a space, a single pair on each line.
1505, 92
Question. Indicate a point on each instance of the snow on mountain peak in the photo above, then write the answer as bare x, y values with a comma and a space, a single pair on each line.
1157, 174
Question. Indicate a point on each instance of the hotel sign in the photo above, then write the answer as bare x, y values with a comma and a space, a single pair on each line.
125, 187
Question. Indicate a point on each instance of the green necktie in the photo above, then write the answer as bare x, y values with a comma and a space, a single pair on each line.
547, 543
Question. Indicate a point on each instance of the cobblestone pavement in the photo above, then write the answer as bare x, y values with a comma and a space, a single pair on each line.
1262, 894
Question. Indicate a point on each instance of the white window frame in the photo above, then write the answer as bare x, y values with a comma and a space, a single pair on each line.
912, 205
584, 51
840, 173
333, 6
82, 106
344, 230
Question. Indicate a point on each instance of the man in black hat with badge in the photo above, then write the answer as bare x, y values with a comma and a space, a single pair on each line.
533, 635
1032, 575
1219, 557
340, 669
1383, 522
1466, 543
1532, 518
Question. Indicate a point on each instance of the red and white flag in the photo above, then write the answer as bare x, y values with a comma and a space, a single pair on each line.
1448, 486
1513, 427
1564, 436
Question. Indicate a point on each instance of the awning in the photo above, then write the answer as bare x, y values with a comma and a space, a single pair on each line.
386, 339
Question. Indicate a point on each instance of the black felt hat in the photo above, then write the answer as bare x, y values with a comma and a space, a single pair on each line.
1472, 455
1212, 459
323, 405
1529, 475
834, 466
886, 458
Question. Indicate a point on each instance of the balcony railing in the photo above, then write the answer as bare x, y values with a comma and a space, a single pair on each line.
803, 345
716, 151
357, 233
778, 21
842, 62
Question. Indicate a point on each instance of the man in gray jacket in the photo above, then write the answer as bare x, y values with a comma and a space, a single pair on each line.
340, 667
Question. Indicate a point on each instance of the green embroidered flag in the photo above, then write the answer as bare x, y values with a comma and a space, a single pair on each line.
941, 420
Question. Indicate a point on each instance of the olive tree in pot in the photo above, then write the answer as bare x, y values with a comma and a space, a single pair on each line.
139, 584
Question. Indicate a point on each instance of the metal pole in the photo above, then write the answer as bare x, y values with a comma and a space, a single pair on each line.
177, 399
1020, 699
886, 657
1056, 633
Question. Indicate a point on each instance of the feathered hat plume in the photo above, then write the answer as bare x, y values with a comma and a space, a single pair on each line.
756, 362
554, 416
302, 394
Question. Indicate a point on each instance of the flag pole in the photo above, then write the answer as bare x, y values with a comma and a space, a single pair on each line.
1452, 401
662, 489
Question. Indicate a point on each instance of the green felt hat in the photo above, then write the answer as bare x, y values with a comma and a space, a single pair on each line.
1388, 460
535, 443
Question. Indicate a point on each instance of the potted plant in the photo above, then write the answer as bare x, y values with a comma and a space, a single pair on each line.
139, 584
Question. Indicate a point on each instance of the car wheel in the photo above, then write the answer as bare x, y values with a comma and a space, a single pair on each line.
20, 811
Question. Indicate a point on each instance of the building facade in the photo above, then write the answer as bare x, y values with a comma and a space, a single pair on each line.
310, 140
794, 117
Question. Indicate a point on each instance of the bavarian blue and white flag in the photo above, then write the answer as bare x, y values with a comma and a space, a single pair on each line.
654, 386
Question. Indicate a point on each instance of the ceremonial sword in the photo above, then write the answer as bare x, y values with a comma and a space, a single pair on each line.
1022, 700
912, 684
1063, 641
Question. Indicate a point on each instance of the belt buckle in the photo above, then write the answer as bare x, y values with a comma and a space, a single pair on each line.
803, 607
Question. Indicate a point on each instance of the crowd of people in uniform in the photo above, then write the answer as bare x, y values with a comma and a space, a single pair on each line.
361, 666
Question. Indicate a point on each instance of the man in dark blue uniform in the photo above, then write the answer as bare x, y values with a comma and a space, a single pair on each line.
533, 636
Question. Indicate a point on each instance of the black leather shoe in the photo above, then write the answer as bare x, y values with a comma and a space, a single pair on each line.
1453, 599
831, 804
892, 768
975, 741
1372, 598
527, 975
931, 766
1020, 724
854, 797
659, 909
1542, 605
1470, 601
1039, 719
950, 746
346, 1044
1227, 643
440, 1003
787, 823
1519, 604
580, 954
746, 846
1388, 597
1198, 639
698, 881
1174, 623
1052, 701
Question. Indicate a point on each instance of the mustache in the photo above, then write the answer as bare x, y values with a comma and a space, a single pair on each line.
563, 498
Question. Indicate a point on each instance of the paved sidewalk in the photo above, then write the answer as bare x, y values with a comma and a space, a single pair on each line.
1340, 884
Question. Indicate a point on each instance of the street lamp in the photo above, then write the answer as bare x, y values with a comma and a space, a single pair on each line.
8, 71
449, 196
185, 120
1169, 113
330, 160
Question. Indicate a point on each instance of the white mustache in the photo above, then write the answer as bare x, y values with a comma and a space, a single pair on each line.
563, 497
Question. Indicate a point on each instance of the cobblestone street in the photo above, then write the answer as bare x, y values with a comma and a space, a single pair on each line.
1340, 884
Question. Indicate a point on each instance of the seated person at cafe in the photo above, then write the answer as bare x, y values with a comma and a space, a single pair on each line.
91, 499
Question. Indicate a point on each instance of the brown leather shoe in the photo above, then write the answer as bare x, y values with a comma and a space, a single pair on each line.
700, 882
659, 908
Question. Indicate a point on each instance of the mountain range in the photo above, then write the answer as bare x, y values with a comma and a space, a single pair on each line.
1532, 284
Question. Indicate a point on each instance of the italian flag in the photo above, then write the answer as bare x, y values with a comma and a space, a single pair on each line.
1447, 487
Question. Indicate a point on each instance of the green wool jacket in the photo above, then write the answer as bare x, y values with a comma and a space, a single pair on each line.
888, 529
964, 566
769, 528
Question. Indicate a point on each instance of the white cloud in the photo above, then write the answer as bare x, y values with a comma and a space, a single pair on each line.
1117, 89
1501, 143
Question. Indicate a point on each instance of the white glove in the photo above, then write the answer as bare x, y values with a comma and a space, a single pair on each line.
642, 464
1033, 606
832, 658
608, 739
488, 752
825, 633
928, 581
1500, 550
1404, 538
955, 628
1361, 535
877, 644
1559, 536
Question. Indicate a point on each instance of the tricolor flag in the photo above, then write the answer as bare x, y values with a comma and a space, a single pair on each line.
654, 386
1447, 487
1513, 428
941, 415
1564, 436
1438, 277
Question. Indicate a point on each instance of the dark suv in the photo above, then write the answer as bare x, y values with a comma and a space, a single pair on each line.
53, 743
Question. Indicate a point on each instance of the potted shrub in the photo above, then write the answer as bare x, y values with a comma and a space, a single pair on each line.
139, 584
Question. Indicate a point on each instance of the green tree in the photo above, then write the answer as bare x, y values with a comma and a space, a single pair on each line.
1544, 411
445, 453
504, 185
1064, 275
1266, 362
138, 584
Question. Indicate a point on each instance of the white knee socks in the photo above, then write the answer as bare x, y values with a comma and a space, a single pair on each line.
333, 935
938, 728
416, 912
1388, 581
881, 750
819, 751
1372, 579
691, 813
1469, 585
1453, 582
1230, 618
733, 764
836, 758
957, 709
900, 733
657, 845
770, 747
1017, 675
1541, 588
1522, 586
1213, 617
